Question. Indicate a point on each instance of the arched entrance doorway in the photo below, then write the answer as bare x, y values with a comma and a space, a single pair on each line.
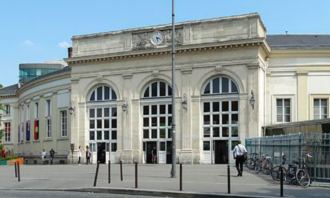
220, 114
156, 122
102, 116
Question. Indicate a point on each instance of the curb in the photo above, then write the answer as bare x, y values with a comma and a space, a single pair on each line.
144, 192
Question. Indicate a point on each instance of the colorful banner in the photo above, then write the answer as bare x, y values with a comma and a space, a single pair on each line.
36, 130
27, 131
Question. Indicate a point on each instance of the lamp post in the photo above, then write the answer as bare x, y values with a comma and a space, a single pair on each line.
173, 172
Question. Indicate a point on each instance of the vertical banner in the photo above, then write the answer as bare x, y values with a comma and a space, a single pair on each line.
36, 129
27, 131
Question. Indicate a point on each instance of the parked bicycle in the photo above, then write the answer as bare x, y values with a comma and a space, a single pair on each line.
292, 173
252, 161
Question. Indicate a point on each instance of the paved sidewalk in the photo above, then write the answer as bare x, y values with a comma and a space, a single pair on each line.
210, 179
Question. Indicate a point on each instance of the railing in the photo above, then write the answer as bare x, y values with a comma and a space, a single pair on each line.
294, 146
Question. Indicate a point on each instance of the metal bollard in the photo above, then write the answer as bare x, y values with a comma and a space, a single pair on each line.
228, 178
18, 173
15, 169
96, 173
136, 175
109, 171
281, 178
180, 177
121, 170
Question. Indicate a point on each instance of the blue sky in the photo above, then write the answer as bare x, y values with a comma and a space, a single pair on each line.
40, 30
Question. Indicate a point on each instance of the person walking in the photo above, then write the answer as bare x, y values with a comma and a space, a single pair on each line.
52, 155
43, 156
80, 152
238, 153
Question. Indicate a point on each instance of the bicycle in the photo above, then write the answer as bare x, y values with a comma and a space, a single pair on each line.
302, 174
251, 162
293, 174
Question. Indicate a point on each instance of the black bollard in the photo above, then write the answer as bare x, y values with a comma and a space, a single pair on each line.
96, 173
15, 169
109, 171
180, 177
228, 178
121, 170
281, 178
136, 175
18, 173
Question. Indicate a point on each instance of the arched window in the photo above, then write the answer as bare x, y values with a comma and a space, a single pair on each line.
156, 122
102, 116
220, 114
157, 89
220, 85
102, 93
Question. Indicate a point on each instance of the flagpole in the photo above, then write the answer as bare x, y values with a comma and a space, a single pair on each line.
173, 171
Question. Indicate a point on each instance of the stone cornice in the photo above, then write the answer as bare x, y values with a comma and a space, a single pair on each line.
165, 51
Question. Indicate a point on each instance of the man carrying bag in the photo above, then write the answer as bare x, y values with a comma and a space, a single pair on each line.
239, 154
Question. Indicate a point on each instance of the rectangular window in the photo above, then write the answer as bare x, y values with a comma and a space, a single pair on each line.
48, 108
283, 110
320, 108
36, 110
49, 127
64, 123
7, 132
206, 145
7, 109
48, 119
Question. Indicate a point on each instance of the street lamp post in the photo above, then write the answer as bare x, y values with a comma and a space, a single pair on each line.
173, 172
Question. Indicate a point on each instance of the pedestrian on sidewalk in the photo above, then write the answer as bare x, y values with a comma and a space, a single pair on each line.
52, 155
239, 154
43, 156
80, 152
88, 155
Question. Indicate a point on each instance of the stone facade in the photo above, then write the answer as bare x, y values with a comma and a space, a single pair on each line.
229, 83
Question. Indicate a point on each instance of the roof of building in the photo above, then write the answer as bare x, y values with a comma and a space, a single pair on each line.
41, 65
153, 27
298, 123
296, 41
9, 90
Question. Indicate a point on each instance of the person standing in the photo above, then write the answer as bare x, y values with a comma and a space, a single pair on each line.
43, 156
238, 153
88, 155
79, 154
154, 155
52, 155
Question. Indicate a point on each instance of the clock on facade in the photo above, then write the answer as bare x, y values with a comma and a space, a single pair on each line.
157, 38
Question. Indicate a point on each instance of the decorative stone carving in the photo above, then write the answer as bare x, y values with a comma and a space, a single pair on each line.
142, 41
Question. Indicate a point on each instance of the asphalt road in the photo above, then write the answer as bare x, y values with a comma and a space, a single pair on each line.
60, 194
196, 178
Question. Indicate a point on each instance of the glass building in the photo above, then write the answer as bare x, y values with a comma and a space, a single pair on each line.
30, 71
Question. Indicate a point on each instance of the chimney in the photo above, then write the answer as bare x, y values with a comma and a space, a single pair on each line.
69, 52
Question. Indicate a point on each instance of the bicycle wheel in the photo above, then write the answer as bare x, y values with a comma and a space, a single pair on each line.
250, 164
267, 168
303, 178
276, 174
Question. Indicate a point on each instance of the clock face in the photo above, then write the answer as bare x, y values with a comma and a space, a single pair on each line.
157, 38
